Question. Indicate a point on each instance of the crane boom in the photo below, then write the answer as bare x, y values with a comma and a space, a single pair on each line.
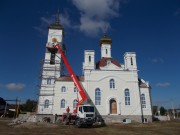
72, 75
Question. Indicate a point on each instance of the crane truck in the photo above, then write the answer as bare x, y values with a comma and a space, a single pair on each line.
84, 113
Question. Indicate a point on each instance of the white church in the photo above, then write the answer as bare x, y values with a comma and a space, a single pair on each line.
115, 89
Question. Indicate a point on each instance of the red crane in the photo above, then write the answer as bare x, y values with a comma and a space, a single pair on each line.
83, 114
72, 75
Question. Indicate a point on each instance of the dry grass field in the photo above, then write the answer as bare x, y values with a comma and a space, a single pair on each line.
156, 128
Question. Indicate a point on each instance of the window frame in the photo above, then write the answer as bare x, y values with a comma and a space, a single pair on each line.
75, 101
143, 100
112, 84
97, 96
62, 103
75, 90
131, 61
46, 103
63, 89
89, 58
106, 51
127, 97
49, 80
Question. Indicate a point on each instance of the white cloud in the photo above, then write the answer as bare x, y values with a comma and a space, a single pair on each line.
65, 21
101, 9
42, 28
157, 60
92, 27
13, 86
46, 21
164, 85
95, 14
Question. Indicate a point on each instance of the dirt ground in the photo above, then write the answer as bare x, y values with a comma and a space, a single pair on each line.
156, 128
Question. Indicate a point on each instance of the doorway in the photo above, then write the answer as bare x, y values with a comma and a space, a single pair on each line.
113, 106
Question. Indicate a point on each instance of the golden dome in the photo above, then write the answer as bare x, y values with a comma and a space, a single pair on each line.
105, 40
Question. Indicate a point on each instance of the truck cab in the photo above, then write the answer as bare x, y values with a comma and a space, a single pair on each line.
85, 115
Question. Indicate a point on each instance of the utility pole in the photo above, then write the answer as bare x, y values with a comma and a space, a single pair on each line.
5, 110
15, 107
172, 105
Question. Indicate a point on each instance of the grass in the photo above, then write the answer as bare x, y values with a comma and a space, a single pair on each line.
156, 128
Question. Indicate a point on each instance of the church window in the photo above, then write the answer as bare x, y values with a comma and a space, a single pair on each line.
106, 51
49, 81
131, 61
46, 103
75, 89
63, 89
127, 97
143, 101
97, 96
112, 84
75, 103
89, 58
62, 103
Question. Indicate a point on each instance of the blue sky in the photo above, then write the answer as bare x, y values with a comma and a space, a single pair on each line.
151, 28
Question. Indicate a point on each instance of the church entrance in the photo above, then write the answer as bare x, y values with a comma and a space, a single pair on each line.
113, 106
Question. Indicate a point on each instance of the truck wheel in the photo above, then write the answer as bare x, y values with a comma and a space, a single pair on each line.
78, 123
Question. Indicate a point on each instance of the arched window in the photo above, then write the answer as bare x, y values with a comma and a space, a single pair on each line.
127, 97
106, 51
49, 81
89, 58
62, 103
75, 89
112, 84
143, 101
63, 89
75, 103
46, 103
97, 96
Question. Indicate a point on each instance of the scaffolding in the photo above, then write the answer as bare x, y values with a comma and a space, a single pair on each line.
48, 75
50, 72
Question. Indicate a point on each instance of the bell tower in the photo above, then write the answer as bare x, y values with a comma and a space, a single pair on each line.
52, 68
130, 61
105, 43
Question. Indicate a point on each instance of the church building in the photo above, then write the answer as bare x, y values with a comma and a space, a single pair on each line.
115, 89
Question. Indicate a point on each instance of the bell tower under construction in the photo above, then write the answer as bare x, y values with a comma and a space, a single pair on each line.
52, 68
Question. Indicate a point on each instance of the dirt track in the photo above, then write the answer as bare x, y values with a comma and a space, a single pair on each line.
158, 128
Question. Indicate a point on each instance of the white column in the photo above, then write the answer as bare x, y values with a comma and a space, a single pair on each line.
107, 107
119, 108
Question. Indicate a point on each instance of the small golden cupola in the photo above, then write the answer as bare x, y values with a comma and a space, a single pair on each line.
105, 43
105, 40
